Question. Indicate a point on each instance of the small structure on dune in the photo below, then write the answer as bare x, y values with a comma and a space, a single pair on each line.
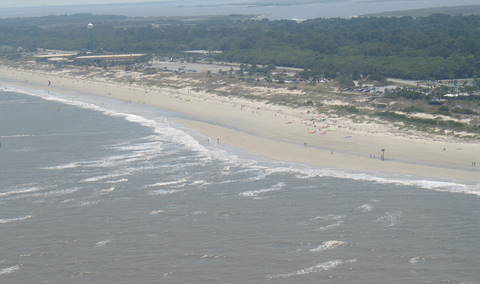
112, 59
53, 56
203, 52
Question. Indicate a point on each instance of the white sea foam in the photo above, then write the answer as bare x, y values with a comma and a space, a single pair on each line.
9, 270
181, 185
324, 266
156, 212
256, 193
197, 182
415, 260
329, 217
18, 136
328, 245
51, 134
166, 131
365, 208
163, 129
163, 192
23, 150
116, 181
330, 226
63, 166
143, 151
174, 182
209, 256
104, 162
88, 203
103, 243
107, 190
441, 186
21, 191
149, 147
52, 193
120, 160
104, 177
390, 219
13, 220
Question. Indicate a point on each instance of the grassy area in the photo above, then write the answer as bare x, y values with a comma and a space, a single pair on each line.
428, 123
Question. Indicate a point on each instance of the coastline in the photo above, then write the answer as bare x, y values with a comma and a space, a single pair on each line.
278, 132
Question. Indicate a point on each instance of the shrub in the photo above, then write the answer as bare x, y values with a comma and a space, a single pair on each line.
346, 109
463, 111
412, 109
443, 109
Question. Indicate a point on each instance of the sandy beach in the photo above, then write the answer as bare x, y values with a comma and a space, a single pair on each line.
283, 133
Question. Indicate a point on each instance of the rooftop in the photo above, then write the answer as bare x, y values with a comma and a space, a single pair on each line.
54, 55
113, 56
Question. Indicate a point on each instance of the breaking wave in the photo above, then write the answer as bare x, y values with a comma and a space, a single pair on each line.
365, 208
390, 219
13, 220
21, 191
178, 136
330, 227
158, 184
103, 243
256, 193
324, 266
328, 245
9, 270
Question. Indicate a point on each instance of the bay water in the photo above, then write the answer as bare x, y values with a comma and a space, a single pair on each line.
267, 9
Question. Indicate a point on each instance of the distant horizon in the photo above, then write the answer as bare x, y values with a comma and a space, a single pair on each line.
7, 4
151, 8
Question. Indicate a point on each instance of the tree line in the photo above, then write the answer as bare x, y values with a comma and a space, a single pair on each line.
433, 47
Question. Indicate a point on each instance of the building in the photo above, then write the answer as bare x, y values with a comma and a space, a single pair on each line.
203, 52
113, 59
54, 56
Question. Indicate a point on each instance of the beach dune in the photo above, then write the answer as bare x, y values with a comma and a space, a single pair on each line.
281, 133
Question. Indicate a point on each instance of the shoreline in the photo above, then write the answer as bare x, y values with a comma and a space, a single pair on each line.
277, 132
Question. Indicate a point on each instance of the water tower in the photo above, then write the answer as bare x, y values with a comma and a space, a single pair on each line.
91, 44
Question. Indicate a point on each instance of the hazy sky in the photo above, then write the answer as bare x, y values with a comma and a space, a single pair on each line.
34, 3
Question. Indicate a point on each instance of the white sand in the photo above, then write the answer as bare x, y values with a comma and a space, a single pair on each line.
280, 133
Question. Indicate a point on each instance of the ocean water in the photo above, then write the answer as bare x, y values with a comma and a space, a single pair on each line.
94, 190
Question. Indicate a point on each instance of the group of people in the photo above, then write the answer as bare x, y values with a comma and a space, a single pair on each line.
209, 140
374, 156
